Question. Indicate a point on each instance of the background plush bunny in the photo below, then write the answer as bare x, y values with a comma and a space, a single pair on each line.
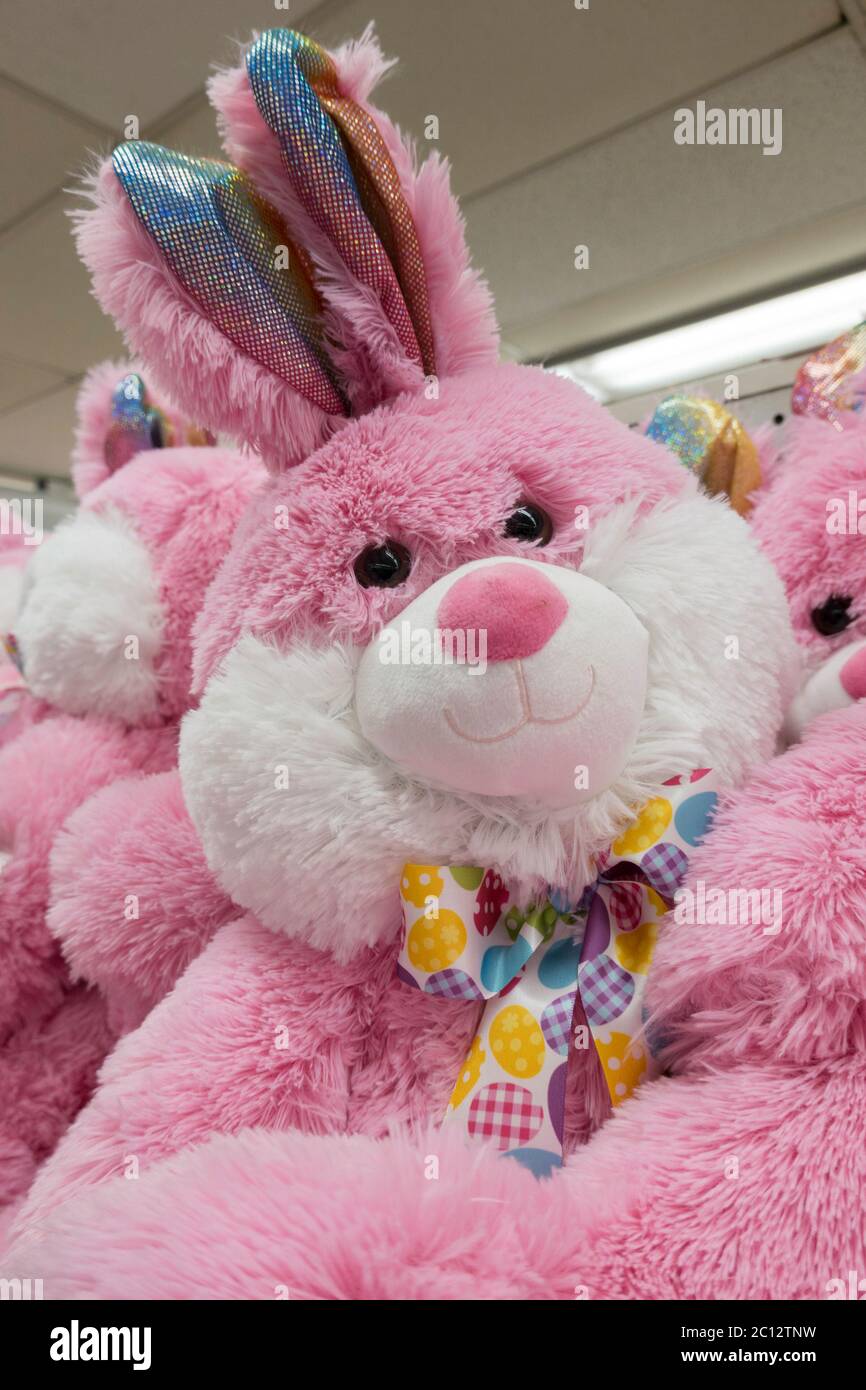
104, 636
442, 482
810, 520
17, 708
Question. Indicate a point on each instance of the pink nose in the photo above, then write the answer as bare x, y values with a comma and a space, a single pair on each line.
517, 607
853, 675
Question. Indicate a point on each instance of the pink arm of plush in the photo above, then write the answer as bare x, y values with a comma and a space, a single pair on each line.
776, 970
44, 775
132, 898
259, 1030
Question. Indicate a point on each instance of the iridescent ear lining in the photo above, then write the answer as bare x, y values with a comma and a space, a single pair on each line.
378, 185
136, 425
712, 443
341, 170
232, 255
832, 381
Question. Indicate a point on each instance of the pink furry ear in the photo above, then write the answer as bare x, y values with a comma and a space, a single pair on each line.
118, 416
217, 324
433, 312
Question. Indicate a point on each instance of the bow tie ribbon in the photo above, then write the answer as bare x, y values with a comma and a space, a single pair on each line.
553, 978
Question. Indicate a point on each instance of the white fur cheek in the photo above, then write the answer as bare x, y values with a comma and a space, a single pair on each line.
91, 622
723, 660
292, 807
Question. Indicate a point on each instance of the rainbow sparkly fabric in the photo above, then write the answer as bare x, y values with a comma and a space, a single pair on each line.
712, 443
136, 425
232, 254
832, 382
341, 170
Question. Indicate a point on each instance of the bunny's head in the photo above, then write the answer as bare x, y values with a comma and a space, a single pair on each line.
810, 520
109, 599
472, 617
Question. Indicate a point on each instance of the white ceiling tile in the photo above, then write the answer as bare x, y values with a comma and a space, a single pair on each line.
22, 381
809, 251
516, 86
112, 58
43, 146
49, 316
515, 83
37, 438
648, 208
194, 132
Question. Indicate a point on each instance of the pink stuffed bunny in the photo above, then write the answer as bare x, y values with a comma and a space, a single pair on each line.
103, 633
17, 709
822, 463
338, 773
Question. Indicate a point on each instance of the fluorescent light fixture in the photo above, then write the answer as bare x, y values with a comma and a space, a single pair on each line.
772, 328
17, 484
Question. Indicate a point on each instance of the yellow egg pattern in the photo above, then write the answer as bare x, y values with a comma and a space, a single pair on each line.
650, 825
420, 882
511, 1086
634, 949
624, 1063
657, 900
469, 1074
434, 943
516, 1041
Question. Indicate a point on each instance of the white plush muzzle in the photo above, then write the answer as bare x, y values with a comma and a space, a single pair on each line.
508, 678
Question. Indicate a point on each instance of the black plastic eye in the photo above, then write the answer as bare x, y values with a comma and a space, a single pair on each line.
529, 523
383, 566
833, 615
157, 436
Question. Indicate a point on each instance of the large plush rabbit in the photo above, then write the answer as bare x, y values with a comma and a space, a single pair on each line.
17, 708
103, 634
339, 775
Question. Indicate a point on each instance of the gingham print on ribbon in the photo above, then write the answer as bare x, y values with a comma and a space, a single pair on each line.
463, 939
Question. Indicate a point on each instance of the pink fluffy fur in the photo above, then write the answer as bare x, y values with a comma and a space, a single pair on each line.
651, 1208
174, 499
132, 838
646, 1211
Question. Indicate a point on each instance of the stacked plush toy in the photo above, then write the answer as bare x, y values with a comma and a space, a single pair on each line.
103, 637
17, 708
451, 873
455, 857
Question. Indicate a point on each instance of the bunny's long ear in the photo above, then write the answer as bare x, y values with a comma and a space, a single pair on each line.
831, 384
117, 417
208, 287
387, 239
712, 443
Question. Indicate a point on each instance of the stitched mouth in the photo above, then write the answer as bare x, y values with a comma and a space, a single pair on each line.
528, 717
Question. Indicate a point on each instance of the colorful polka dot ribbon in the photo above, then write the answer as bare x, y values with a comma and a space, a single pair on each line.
554, 978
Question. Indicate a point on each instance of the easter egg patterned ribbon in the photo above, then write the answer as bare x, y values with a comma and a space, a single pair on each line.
464, 939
